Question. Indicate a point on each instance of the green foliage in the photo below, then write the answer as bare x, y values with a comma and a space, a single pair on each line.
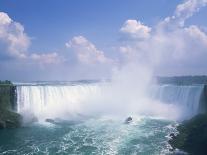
192, 136
8, 118
5, 97
6, 82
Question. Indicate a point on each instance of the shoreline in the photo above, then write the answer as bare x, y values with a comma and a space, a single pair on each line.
192, 136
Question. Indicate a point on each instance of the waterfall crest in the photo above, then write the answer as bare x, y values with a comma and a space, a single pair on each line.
53, 100
66, 100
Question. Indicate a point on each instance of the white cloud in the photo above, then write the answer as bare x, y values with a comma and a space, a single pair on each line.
188, 8
183, 12
135, 29
5, 20
171, 44
14, 43
49, 58
86, 51
13, 39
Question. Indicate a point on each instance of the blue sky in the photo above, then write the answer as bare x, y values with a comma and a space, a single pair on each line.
50, 24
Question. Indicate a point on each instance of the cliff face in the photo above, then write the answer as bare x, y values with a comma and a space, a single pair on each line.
205, 98
192, 134
203, 101
7, 96
8, 117
192, 137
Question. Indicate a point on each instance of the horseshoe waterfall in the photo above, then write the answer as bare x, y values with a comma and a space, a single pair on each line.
90, 117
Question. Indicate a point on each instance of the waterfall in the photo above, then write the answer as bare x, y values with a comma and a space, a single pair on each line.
66, 100
50, 100
185, 96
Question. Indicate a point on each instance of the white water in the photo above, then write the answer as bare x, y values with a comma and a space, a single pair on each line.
62, 101
186, 97
53, 101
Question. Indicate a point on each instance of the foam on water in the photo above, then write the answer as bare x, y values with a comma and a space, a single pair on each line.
93, 136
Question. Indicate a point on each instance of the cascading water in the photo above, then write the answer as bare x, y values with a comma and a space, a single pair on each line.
98, 135
186, 97
50, 101
53, 101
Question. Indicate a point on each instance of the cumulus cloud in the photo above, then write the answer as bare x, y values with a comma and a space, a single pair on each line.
135, 29
170, 44
86, 51
14, 42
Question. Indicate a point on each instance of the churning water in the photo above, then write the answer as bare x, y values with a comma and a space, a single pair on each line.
93, 136
88, 118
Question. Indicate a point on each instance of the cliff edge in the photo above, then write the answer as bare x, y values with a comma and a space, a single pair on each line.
192, 136
8, 117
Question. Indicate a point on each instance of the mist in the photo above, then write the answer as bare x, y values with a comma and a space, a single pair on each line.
145, 52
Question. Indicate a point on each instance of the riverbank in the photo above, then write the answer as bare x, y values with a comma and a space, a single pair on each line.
8, 117
192, 136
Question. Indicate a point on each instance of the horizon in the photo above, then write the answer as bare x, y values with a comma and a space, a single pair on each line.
100, 80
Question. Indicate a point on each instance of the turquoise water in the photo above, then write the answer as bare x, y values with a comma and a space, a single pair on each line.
103, 131
145, 136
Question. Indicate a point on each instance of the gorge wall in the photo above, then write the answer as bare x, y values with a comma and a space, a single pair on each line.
8, 116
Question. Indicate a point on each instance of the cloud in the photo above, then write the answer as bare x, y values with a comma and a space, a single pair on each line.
135, 29
188, 8
14, 42
183, 12
167, 47
49, 58
86, 51
170, 45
